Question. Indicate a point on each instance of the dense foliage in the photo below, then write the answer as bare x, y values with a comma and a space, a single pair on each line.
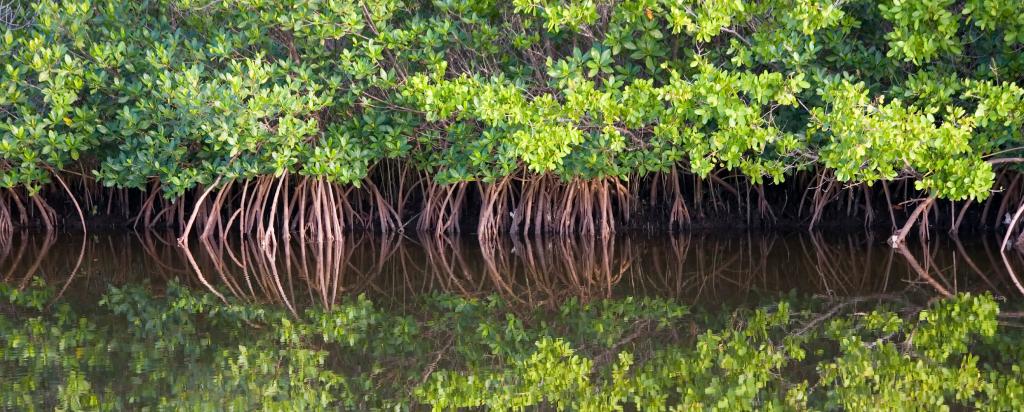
189, 93
186, 350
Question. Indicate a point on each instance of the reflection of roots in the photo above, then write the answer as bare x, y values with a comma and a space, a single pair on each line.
533, 272
38, 253
527, 271
538, 271
838, 274
118, 259
253, 272
926, 268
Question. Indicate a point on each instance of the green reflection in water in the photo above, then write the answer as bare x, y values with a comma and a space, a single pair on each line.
177, 349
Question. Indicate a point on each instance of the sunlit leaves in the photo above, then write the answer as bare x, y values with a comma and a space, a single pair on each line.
870, 140
922, 29
181, 92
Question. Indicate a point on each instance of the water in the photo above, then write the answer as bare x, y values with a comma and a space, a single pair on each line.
120, 320
692, 268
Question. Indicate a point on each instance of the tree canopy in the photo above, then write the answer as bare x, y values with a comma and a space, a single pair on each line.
184, 91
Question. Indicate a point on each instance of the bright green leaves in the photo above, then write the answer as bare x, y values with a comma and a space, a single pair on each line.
731, 117
869, 140
998, 104
321, 19
180, 92
599, 62
794, 39
999, 114
542, 130
708, 18
929, 89
558, 14
1006, 17
338, 157
588, 131
814, 15
254, 118
544, 147
922, 29
43, 123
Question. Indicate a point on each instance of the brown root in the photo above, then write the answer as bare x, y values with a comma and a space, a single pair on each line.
897, 238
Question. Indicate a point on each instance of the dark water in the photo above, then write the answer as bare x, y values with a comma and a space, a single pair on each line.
692, 268
129, 321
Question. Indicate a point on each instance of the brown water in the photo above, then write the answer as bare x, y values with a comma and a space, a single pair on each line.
693, 268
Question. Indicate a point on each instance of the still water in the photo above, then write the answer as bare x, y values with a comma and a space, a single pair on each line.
115, 320
692, 268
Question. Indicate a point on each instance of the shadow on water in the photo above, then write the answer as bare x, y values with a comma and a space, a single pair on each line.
694, 268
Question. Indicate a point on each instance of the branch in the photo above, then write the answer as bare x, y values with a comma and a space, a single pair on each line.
896, 241
1003, 160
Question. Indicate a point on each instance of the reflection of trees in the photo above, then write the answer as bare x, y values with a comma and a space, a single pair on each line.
546, 271
542, 271
38, 247
945, 265
101, 259
534, 272
924, 273
847, 266
699, 267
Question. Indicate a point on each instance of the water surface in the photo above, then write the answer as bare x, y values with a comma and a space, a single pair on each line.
115, 321
701, 267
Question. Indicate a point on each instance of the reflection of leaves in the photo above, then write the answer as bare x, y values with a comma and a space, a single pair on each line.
135, 348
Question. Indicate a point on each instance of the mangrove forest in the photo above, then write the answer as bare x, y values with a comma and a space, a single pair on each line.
313, 118
578, 205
